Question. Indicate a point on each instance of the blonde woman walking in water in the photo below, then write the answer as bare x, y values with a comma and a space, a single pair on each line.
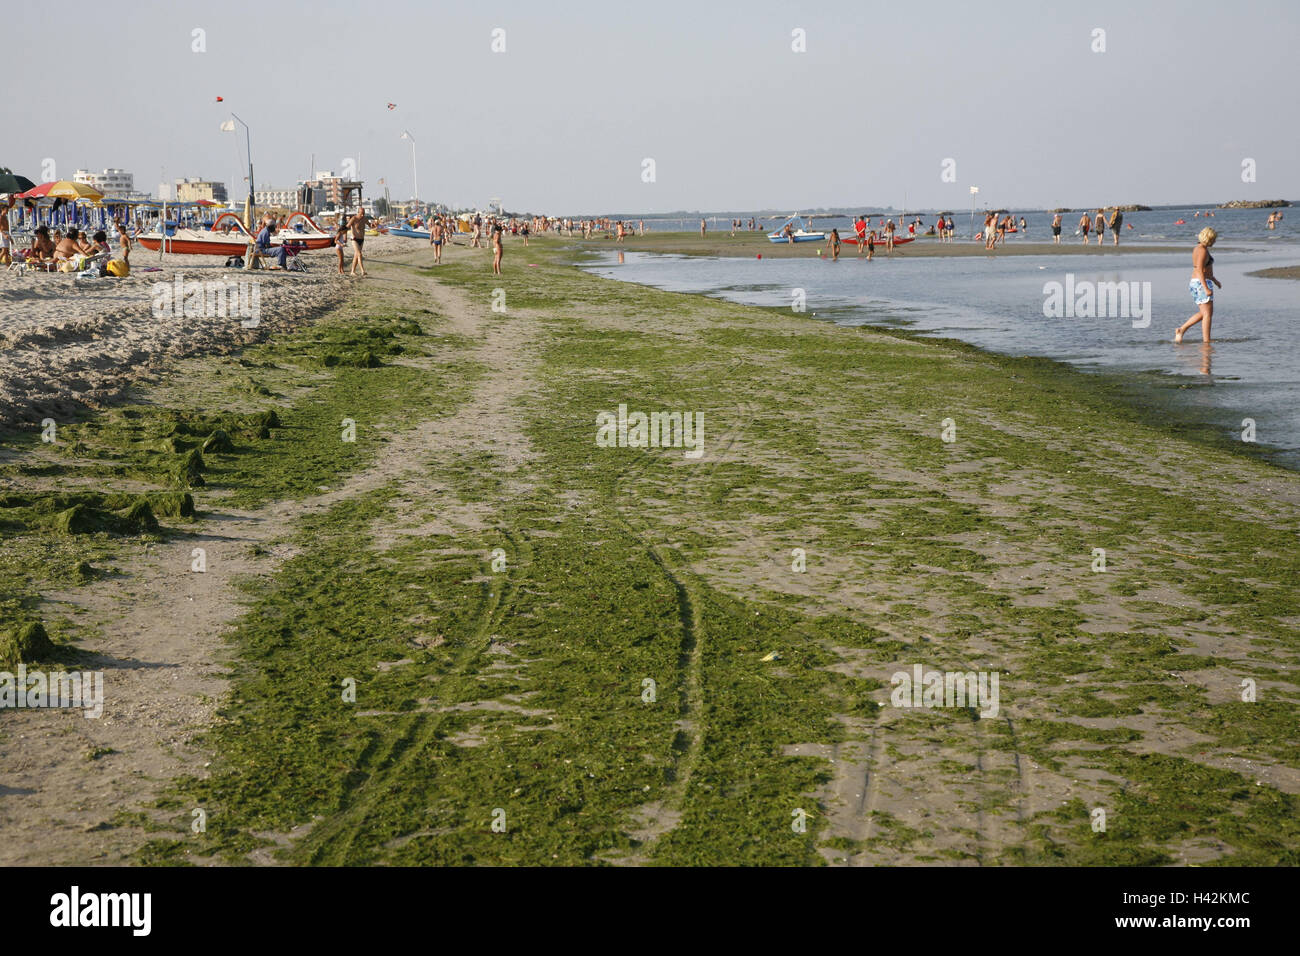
1201, 285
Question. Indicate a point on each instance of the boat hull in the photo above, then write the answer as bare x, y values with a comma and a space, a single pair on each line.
234, 245
197, 247
778, 239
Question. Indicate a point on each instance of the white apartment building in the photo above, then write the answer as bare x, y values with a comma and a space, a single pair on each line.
113, 183
279, 198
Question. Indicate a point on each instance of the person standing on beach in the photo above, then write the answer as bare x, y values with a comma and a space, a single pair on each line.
1056, 229
1116, 224
341, 239
498, 250
358, 226
703, 228
435, 240
889, 236
123, 240
1084, 225
1201, 285
1099, 227
7, 241
860, 230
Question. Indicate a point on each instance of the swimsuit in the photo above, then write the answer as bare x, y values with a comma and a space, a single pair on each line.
1200, 294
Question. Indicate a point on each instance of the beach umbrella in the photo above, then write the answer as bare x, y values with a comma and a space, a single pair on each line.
11, 182
62, 189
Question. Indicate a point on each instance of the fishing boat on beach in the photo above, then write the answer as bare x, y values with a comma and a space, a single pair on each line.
787, 232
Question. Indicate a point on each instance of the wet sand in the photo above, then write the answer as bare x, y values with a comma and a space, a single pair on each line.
1277, 272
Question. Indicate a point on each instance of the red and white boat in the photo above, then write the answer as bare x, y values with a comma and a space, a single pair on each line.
217, 241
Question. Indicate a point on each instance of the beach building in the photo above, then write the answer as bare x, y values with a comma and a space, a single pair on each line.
330, 191
113, 183
272, 197
188, 190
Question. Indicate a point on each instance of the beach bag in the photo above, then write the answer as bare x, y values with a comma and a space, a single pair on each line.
119, 268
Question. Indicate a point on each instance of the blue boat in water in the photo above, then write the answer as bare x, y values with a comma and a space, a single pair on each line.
788, 233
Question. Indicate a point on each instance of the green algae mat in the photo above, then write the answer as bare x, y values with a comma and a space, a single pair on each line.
608, 575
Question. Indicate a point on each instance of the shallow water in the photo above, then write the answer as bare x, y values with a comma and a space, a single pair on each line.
1252, 366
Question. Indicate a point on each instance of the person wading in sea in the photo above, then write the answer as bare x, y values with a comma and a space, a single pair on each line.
1201, 285
834, 244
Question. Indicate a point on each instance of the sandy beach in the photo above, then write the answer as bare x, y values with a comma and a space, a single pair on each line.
67, 345
500, 587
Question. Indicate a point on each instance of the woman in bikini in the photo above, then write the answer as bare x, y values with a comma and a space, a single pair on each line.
1201, 285
497, 249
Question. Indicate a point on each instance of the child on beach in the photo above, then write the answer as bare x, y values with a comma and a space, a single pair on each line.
341, 239
834, 244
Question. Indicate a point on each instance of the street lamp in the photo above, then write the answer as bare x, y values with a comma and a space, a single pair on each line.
230, 127
415, 174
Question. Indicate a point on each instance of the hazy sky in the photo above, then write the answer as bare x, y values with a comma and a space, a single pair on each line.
711, 91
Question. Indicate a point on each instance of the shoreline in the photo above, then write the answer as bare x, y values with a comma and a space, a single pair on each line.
475, 433
1277, 272
748, 245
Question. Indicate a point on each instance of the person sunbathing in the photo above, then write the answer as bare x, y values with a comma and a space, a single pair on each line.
42, 249
69, 246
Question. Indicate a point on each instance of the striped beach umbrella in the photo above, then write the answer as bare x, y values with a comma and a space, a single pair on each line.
62, 189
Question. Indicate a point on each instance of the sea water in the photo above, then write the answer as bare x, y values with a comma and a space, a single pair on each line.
1251, 369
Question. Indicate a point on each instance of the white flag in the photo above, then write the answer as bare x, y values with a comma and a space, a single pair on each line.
974, 190
228, 126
